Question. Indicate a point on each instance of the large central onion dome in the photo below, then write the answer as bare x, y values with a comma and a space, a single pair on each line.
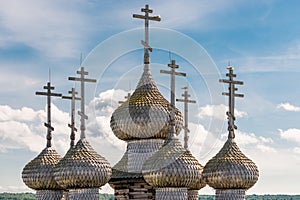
145, 115
82, 167
230, 169
38, 174
173, 166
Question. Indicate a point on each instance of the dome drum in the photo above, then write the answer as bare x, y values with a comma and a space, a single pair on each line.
139, 151
229, 194
86, 193
171, 193
193, 194
50, 194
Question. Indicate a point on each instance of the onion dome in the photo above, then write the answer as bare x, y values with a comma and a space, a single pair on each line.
230, 169
145, 115
173, 166
38, 174
82, 167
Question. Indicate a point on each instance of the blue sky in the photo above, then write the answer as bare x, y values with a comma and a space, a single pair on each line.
260, 38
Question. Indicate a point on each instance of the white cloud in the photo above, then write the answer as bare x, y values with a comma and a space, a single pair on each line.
217, 112
23, 129
292, 135
296, 150
252, 141
288, 107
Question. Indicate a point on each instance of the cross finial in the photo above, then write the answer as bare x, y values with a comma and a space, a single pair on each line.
126, 97
48, 88
186, 100
145, 42
82, 114
231, 94
73, 98
173, 66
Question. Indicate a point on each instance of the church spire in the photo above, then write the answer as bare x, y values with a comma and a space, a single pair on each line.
48, 87
73, 98
186, 100
172, 72
145, 42
82, 114
231, 94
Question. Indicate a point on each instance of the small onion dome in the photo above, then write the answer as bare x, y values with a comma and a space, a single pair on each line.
82, 167
230, 169
199, 183
38, 174
172, 166
120, 171
145, 115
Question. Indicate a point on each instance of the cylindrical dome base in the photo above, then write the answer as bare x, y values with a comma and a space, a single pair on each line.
50, 194
79, 194
139, 151
171, 193
193, 195
229, 194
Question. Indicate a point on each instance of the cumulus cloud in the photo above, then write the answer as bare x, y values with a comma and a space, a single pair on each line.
253, 141
23, 128
288, 107
296, 150
292, 135
217, 112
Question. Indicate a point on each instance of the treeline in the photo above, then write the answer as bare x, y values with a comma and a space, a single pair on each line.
30, 196
258, 197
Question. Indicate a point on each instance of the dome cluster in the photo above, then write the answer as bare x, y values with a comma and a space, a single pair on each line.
155, 164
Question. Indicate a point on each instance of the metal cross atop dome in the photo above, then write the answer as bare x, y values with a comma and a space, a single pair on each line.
145, 42
82, 114
48, 87
73, 98
186, 100
126, 97
173, 66
232, 95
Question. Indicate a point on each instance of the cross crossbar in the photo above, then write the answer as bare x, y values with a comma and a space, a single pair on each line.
231, 94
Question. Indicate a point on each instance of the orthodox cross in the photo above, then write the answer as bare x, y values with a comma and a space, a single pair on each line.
126, 97
145, 42
49, 94
186, 100
231, 94
172, 72
73, 98
82, 114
